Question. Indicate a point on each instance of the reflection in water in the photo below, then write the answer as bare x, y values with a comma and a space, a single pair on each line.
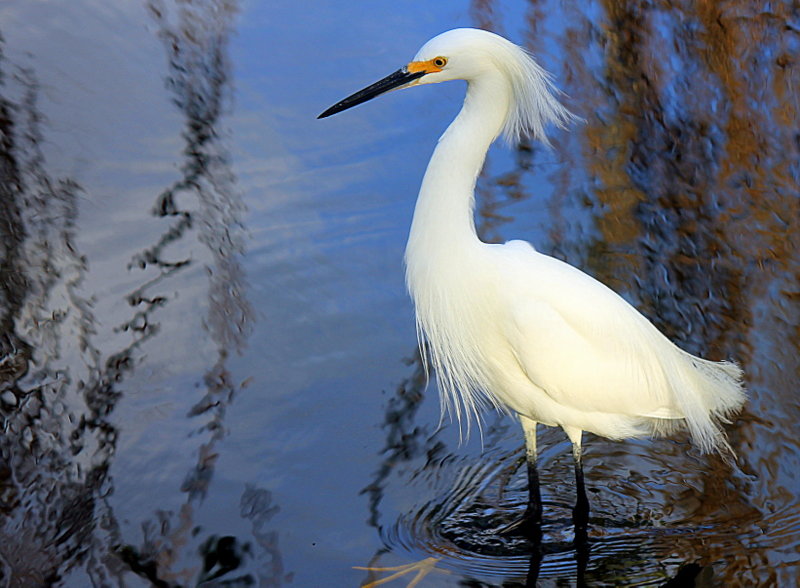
694, 179
199, 74
680, 191
56, 442
57, 392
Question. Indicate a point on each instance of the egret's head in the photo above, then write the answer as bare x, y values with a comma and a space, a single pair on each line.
462, 54
468, 54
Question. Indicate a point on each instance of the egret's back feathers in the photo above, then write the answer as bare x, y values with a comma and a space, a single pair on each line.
591, 351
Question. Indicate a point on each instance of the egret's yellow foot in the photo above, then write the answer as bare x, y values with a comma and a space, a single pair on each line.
422, 569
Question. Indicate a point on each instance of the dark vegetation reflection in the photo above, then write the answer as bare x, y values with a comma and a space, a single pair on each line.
58, 439
54, 462
681, 192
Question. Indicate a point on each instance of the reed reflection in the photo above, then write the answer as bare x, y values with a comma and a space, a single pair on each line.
686, 92
57, 393
60, 390
687, 150
195, 37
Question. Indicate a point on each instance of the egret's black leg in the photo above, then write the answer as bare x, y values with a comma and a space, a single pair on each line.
535, 563
581, 544
580, 514
534, 510
532, 528
532, 524
533, 513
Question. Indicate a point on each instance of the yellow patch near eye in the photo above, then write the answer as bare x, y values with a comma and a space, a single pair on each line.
431, 66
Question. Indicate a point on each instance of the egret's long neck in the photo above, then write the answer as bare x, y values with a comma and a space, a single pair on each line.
443, 222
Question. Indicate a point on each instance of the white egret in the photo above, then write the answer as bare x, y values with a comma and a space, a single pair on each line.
513, 328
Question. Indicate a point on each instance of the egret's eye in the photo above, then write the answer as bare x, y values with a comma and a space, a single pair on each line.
440, 61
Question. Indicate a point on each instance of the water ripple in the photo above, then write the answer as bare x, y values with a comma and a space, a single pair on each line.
472, 524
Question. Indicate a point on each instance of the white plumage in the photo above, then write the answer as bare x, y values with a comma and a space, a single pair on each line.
513, 328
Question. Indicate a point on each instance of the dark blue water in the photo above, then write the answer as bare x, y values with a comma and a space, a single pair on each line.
209, 372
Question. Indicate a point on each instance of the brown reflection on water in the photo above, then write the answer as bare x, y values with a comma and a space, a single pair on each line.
690, 155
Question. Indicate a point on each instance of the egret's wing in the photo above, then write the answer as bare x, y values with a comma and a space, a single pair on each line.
582, 343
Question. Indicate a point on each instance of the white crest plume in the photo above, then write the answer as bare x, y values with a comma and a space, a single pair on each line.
532, 97
534, 104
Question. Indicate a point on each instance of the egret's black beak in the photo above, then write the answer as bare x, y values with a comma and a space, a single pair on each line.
391, 82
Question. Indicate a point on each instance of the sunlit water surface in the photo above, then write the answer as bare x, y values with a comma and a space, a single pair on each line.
208, 372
